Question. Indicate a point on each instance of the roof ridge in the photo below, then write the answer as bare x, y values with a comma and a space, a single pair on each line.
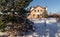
36, 7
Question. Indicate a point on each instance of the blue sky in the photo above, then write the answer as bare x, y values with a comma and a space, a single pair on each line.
52, 5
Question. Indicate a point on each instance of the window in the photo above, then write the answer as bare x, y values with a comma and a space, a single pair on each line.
34, 10
38, 10
41, 14
41, 10
33, 14
38, 16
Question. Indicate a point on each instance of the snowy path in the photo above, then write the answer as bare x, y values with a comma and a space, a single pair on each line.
52, 29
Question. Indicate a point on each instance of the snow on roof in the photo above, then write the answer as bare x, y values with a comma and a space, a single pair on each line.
32, 8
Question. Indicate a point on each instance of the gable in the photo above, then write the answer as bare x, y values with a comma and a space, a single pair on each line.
38, 9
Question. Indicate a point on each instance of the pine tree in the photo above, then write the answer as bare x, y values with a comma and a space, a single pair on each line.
17, 15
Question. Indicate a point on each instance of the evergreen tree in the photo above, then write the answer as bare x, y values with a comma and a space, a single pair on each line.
17, 15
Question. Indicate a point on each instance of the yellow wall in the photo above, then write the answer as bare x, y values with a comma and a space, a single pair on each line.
36, 12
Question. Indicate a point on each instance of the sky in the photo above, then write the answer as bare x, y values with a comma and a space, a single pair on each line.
52, 5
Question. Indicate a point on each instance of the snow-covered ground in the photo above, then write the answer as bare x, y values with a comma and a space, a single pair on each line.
47, 20
49, 27
45, 28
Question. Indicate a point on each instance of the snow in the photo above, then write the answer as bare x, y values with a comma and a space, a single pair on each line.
51, 29
45, 28
48, 20
3, 34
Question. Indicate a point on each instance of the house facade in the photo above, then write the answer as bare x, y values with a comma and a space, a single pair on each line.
37, 12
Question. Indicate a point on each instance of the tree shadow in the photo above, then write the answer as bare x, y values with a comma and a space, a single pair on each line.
41, 30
